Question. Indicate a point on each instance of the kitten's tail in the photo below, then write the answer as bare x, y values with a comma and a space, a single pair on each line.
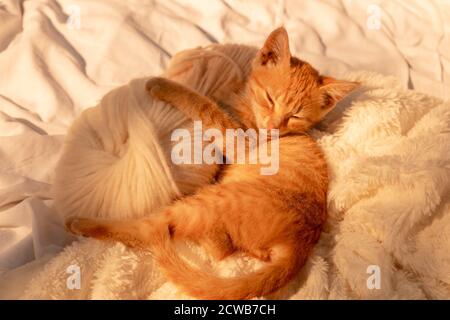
286, 263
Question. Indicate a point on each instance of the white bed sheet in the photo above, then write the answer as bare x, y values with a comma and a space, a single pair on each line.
59, 57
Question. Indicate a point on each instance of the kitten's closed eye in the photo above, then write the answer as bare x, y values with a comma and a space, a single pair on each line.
297, 114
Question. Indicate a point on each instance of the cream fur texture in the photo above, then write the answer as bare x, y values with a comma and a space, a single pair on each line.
389, 209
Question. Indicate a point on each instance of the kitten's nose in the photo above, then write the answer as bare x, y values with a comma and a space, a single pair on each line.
268, 123
273, 124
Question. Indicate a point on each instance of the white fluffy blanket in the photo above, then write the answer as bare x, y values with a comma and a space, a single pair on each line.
58, 57
389, 211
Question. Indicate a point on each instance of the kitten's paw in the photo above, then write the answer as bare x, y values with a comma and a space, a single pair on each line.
155, 86
86, 227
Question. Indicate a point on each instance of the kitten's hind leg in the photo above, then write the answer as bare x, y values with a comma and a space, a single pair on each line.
133, 233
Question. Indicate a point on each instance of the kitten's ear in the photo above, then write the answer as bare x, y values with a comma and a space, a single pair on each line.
335, 90
275, 51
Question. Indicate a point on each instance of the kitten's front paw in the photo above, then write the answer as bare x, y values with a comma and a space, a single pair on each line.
156, 87
86, 227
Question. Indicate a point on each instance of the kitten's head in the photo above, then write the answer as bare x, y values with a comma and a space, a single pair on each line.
287, 93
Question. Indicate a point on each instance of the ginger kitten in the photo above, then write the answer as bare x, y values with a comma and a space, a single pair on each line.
276, 218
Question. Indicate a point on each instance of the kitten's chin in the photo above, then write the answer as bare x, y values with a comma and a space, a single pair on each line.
299, 127
260, 123
281, 131
294, 131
